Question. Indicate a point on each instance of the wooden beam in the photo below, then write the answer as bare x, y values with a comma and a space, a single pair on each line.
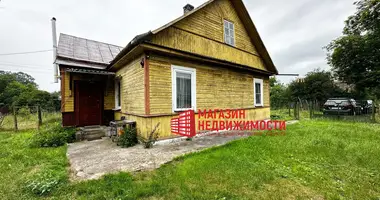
147, 88
62, 71
175, 52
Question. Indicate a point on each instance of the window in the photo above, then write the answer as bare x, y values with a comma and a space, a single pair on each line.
229, 33
117, 94
183, 88
258, 91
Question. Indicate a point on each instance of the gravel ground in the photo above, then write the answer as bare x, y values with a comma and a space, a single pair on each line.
92, 159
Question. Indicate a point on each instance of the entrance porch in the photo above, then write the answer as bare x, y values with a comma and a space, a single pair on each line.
88, 97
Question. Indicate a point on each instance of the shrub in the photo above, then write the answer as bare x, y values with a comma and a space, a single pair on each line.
128, 138
24, 111
53, 136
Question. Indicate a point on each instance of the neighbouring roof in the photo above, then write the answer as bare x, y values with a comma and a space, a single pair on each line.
243, 13
81, 52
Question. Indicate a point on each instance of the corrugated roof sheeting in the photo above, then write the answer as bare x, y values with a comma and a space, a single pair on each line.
81, 49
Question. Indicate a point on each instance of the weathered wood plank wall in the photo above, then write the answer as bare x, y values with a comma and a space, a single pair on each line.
203, 33
146, 124
217, 87
132, 87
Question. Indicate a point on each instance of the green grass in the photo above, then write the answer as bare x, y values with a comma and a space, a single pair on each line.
283, 114
28, 121
315, 159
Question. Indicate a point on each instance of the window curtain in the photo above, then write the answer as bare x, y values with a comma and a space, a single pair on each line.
183, 90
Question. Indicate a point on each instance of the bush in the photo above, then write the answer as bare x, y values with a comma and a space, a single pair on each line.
53, 136
24, 111
128, 138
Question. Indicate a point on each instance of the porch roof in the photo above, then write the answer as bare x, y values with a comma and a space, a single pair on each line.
81, 52
89, 71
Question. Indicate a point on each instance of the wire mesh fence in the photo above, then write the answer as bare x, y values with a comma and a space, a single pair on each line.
340, 109
26, 117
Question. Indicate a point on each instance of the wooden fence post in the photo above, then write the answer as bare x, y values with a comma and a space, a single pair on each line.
39, 123
311, 109
298, 111
374, 111
15, 118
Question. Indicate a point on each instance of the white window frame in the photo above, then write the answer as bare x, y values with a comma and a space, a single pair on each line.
261, 82
225, 34
187, 70
117, 94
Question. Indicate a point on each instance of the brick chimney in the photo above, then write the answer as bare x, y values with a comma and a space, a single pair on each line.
188, 8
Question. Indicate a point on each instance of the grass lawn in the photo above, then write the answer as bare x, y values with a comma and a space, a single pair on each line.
315, 159
28, 121
283, 114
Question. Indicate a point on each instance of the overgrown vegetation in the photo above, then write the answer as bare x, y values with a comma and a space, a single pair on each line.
128, 138
53, 135
316, 159
152, 138
42, 183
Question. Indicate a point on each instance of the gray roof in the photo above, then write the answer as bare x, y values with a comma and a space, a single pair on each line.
82, 52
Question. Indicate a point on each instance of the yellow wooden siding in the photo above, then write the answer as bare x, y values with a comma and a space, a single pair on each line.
217, 87
208, 22
160, 88
68, 103
178, 39
145, 125
202, 33
109, 95
132, 87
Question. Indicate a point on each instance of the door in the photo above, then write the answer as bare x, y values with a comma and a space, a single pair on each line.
88, 103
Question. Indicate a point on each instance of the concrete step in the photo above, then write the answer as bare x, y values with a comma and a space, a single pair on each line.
91, 133
94, 136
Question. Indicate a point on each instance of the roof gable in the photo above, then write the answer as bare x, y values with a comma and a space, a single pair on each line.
258, 46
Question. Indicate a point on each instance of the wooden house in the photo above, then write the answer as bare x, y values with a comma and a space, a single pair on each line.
211, 57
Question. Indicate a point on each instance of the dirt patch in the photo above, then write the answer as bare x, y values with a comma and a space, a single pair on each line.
91, 160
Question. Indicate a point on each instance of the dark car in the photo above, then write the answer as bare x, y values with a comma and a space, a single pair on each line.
367, 106
341, 106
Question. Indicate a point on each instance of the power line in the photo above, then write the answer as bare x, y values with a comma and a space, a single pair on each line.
38, 72
24, 65
26, 69
27, 52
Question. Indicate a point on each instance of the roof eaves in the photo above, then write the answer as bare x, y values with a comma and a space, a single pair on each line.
257, 41
182, 17
133, 43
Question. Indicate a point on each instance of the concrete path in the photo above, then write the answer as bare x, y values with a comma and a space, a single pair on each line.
92, 159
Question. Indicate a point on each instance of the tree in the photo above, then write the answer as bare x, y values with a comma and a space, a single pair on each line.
21, 90
278, 93
317, 85
355, 57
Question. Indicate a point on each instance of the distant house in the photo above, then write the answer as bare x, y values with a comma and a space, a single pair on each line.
211, 57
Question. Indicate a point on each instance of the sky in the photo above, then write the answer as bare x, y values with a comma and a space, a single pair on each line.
294, 31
